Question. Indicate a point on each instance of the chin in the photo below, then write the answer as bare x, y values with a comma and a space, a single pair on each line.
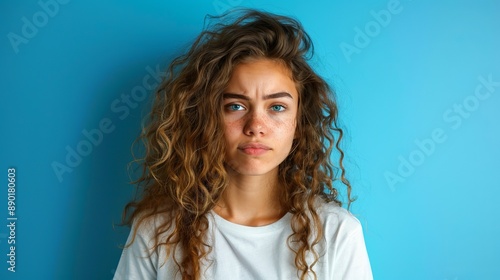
248, 170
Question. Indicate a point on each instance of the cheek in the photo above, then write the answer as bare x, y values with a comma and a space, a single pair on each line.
289, 124
286, 128
291, 129
231, 130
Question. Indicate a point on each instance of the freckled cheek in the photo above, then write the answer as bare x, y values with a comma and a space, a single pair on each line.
292, 123
286, 125
232, 131
232, 126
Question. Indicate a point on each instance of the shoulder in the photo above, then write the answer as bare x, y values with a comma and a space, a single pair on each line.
148, 226
142, 258
337, 221
344, 245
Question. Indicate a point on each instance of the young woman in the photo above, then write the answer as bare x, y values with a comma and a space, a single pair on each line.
237, 179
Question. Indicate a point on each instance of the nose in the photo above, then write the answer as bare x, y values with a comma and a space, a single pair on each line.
255, 124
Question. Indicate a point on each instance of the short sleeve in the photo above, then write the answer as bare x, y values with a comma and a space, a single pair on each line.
352, 262
138, 261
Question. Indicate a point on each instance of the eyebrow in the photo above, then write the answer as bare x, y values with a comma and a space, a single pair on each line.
228, 95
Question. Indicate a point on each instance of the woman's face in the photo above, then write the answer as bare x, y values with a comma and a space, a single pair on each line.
260, 107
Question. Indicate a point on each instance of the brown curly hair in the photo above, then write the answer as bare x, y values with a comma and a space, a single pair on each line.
183, 169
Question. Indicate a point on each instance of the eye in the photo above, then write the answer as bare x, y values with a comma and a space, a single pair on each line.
278, 108
234, 107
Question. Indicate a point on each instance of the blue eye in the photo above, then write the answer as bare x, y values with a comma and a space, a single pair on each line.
234, 107
278, 108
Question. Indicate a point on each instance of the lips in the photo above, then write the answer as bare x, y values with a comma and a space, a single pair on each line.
254, 149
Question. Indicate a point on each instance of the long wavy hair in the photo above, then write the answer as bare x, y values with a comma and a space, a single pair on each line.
183, 168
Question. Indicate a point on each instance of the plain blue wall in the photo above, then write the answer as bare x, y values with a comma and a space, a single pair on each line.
422, 124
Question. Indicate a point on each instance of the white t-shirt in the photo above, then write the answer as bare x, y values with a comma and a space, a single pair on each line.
253, 253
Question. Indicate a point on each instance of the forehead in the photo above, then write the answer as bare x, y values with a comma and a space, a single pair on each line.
262, 75
262, 64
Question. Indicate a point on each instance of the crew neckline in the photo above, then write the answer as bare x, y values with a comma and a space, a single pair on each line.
280, 224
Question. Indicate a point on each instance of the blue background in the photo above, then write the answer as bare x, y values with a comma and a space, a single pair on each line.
406, 79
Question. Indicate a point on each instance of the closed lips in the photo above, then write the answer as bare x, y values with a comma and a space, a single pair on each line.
254, 146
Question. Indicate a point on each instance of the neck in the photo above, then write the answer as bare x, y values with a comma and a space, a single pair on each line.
251, 200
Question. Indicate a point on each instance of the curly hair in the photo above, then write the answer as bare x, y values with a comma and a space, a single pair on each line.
183, 169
